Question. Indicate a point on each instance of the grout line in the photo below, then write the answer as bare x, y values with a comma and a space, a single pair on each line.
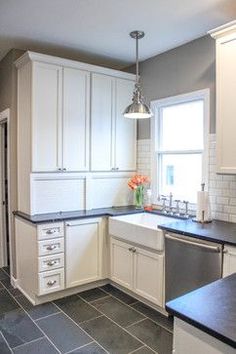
93, 339
132, 324
101, 298
82, 346
41, 318
6, 342
141, 313
5, 272
94, 318
32, 341
124, 329
33, 322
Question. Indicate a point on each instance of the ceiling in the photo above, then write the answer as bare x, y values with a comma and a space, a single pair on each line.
99, 29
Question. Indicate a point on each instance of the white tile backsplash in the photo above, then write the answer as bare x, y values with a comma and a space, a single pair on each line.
222, 188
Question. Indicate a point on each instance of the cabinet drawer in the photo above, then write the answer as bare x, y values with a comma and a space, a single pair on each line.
48, 231
48, 247
50, 262
51, 281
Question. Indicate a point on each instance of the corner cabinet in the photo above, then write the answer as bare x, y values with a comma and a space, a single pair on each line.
113, 137
225, 37
138, 269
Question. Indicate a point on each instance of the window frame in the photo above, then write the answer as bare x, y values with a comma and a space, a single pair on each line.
157, 153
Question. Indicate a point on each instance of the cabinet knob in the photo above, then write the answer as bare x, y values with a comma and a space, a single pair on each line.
51, 282
64, 169
51, 247
51, 263
59, 168
50, 232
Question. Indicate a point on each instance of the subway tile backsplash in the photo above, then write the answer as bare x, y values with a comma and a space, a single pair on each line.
222, 188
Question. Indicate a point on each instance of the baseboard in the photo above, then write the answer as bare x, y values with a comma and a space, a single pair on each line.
14, 282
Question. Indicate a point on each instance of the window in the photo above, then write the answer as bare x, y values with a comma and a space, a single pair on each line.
179, 137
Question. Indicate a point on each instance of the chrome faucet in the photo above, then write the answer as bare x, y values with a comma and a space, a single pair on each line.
164, 199
177, 208
186, 215
171, 204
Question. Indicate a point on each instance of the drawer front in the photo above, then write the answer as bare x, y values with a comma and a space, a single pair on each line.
51, 281
48, 247
50, 262
52, 230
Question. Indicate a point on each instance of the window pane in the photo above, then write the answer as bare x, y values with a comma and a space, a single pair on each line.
182, 126
181, 174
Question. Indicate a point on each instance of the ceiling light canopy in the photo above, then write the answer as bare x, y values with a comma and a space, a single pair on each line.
138, 109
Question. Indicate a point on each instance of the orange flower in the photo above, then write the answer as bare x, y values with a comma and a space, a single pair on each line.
137, 180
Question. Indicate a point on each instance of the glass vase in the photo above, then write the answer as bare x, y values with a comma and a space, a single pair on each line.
138, 197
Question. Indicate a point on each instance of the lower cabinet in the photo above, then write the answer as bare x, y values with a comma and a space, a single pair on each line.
138, 269
229, 263
83, 251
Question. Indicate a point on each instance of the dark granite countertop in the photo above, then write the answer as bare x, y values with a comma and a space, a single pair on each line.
79, 214
211, 308
216, 231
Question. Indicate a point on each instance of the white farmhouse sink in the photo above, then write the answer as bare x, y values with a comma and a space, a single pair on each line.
139, 228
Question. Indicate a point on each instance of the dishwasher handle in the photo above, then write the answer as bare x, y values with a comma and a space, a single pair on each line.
216, 249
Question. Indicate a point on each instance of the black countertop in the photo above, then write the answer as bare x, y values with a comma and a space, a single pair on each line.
79, 214
216, 231
211, 308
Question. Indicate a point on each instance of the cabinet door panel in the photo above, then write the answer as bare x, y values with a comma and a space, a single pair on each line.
229, 264
101, 123
83, 252
75, 120
148, 275
125, 133
226, 108
121, 263
47, 115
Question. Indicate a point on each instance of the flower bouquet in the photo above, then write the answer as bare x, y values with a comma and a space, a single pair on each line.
137, 184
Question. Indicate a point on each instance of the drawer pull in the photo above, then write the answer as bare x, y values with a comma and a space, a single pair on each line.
50, 232
51, 247
51, 263
51, 282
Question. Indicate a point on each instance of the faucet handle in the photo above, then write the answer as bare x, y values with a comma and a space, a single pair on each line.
186, 202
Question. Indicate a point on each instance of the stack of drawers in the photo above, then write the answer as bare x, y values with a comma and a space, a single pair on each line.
50, 257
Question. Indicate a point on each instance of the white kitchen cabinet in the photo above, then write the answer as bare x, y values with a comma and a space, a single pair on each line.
229, 262
76, 91
225, 97
148, 275
83, 254
113, 137
138, 269
46, 117
121, 263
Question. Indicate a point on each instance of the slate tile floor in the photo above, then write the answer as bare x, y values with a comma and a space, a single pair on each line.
98, 321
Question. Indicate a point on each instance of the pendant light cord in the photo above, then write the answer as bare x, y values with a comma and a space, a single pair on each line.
137, 62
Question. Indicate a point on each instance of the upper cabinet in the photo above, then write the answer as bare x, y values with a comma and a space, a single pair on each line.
225, 97
113, 137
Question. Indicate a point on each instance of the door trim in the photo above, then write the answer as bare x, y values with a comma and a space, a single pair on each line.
5, 117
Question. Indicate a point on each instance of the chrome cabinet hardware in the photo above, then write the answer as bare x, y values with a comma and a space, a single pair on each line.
51, 263
51, 247
50, 232
177, 210
186, 208
64, 169
59, 168
225, 251
51, 282
132, 249
196, 244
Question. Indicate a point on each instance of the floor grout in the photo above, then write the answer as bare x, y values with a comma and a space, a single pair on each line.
32, 341
82, 346
6, 342
132, 324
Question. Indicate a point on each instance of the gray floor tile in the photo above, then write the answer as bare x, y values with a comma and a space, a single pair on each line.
18, 328
14, 291
113, 338
4, 349
144, 350
3, 275
120, 313
156, 316
63, 332
1, 286
7, 270
92, 348
7, 303
119, 294
93, 294
37, 311
41, 346
77, 309
154, 336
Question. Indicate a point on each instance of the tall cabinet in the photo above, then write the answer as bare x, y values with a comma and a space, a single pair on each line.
70, 130
225, 37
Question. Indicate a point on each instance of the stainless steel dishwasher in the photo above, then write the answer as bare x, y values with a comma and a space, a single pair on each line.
189, 264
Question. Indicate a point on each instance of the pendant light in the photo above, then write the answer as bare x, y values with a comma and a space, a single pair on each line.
138, 109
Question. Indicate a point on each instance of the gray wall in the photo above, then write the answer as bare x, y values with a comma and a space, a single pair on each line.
184, 69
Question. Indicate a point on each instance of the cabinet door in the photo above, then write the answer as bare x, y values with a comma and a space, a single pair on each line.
121, 263
125, 131
226, 107
148, 275
75, 119
47, 117
229, 264
83, 252
101, 122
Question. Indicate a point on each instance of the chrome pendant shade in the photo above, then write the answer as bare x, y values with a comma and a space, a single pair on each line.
137, 109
